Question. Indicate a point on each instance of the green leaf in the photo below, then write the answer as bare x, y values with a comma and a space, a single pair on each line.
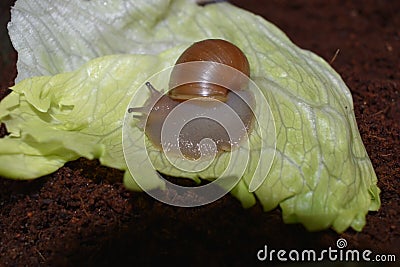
71, 99
55, 119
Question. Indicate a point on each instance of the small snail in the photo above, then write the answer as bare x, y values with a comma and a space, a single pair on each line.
222, 76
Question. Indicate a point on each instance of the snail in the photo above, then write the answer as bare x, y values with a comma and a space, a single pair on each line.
222, 76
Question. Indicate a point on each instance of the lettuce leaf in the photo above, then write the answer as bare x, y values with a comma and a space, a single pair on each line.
80, 62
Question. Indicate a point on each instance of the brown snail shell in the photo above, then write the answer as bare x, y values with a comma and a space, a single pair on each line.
213, 51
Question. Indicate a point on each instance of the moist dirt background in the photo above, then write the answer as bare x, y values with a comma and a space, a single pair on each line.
82, 215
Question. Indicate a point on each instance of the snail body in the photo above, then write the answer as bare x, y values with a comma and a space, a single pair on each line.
210, 71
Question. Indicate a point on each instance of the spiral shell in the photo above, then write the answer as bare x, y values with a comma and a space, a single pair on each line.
205, 80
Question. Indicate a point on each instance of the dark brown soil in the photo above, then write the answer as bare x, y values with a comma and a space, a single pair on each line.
82, 215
